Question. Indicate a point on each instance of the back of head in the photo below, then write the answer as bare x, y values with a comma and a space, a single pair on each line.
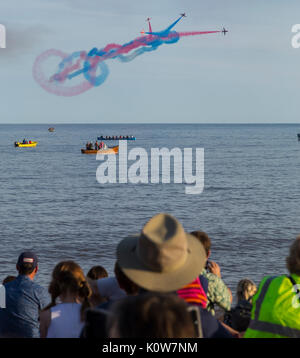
204, 239
68, 278
246, 289
150, 315
293, 260
124, 282
97, 272
27, 263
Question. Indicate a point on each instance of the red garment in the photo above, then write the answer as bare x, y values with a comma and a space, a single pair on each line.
193, 293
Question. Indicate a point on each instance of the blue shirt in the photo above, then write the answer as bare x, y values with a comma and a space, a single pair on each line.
24, 300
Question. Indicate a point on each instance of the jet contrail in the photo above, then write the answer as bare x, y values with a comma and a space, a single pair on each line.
88, 63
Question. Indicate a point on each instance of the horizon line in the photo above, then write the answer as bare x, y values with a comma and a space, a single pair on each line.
118, 123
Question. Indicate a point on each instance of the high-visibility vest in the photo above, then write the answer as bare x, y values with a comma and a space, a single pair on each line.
276, 309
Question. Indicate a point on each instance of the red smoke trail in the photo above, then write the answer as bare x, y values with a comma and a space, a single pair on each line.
197, 33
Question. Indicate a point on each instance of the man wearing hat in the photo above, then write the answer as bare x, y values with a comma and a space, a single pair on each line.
24, 300
164, 258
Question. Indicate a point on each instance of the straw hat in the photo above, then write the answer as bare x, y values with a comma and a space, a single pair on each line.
163, 257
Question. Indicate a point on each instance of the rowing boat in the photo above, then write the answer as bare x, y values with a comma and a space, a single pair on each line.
116, 138
111, 150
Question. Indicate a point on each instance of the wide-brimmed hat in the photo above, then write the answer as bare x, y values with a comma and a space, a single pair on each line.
163, 257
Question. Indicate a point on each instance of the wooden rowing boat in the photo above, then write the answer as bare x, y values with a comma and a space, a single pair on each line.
111, 150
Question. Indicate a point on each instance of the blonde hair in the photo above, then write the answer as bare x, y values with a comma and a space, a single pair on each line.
68, 276
293, 260
246, 288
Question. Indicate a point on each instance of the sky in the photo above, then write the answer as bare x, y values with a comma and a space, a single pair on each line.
251, 75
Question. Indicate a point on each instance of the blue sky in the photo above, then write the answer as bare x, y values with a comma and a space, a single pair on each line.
252, 75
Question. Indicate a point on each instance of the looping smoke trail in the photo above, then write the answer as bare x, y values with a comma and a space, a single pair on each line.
91, 63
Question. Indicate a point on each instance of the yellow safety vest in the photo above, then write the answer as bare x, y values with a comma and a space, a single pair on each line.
276, 309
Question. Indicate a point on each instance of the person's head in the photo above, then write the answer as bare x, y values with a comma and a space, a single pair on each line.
204, 239
124, 282
68, 280
150, 315
293, 260
97, 272
8, 279
27, 264
163, 258
246, 289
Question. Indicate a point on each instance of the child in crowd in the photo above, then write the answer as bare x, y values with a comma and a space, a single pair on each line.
239, 317
97, 272
66, 318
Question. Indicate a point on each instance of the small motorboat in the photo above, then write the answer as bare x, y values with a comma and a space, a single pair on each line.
109, 150
51, 129
298, 136
25, 145
116, 138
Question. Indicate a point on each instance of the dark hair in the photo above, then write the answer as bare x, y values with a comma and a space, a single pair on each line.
124, 282
97, 272
8, 279
26, 268
204, 239
151, 315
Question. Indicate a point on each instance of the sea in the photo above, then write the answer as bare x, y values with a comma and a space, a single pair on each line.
51, 202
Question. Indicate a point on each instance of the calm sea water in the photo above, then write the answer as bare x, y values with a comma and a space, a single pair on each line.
52, 203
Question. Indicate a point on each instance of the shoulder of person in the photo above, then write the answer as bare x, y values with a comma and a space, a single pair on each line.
108, 286
212, 277
40, 290
41, 294
105, 283
212, 328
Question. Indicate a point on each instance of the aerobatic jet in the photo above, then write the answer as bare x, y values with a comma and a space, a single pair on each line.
224, 31
166, 32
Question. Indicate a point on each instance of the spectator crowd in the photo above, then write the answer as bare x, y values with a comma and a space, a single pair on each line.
164, 286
